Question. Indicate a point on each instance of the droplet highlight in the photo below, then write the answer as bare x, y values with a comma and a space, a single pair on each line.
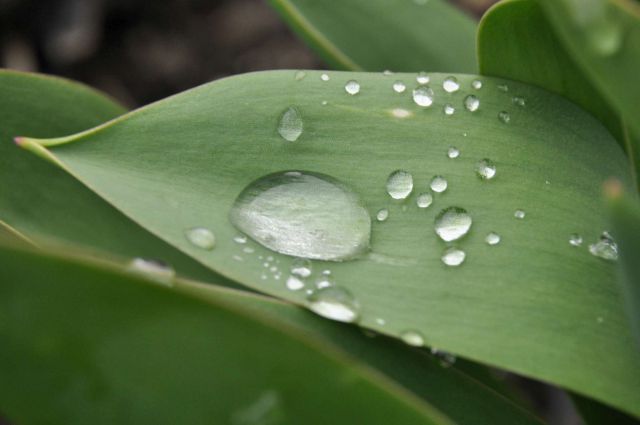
155, 270
324, 76
423, 78
519, 214
448, 109
476, 84
290, 125
504, 117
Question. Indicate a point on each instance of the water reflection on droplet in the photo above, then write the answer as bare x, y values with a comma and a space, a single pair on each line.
504, 117
301, 267
324, 77
453, 152
476, 84
423, 78
155, 270
299, 75
448, 109
519, 214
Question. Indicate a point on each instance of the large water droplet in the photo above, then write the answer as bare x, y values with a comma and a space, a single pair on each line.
399, 87
471, 103
575, 239
453, 257
423, 96
486, 169
413, 338
290, 125
492, 238
438, 184
452, 223
334, 302
303, 214
382, 215
155, 270
450, 85
453, 152
424, 200
606, 248
352, 87
423, 78
399, 184
201, 237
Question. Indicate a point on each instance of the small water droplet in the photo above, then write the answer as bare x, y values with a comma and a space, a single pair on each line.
382, 215
301, 267
380, 321
449, 109
334, 302
399, 184
241, 239
294, 283
324, 103
519, 214
300, 75
575, 239
401, 113
453, 256
423, 96
476, 84
519, 101
413, 338
155, 270
453, 152
471, 103
326, 272
201, 237
399, 87
486, 169
423, 78
324, 281
387, 72
324, 76
452, 223
424, 200
504, 117
503, 87
492, 238
352, 87
606, 248
438, 184
290, 125
303, 214
450, 84
248, 250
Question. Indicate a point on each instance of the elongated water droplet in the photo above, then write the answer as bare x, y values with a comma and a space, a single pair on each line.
476, 84
504, 117
424, 200
290, 125
301, 267
201, 237
303, 214
324, 76
423, 96
450, 84
519, 101
471, 103
155, 270
438, 184
453, 257
382, 215
300, 75
575, 239
413, 338
334, 302
453, 152
423, 78
352, 87
606, 248
492, 238
399, 184
449, 109
519, 214
452, 223
486, 169
399, 87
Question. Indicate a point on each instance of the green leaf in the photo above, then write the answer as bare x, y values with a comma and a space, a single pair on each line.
516, 41
522, 305
375, 35
40, 200
8, 233
88, 345
594, 413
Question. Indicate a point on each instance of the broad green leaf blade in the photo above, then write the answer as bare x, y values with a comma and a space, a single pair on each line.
376, 35
9, 234
533, 303
516, 41
88, 345
41, 201
625, 217
603, 37
450, 390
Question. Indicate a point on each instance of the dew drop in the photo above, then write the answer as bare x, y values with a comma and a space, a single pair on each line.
424, 200
452, 223
423, 78
503, 87
450, 84
476, 84
453, 257
155, 270
387, 72
504, 117
300, 75
399, 184
449, 109
471, 103
334, 302
399, 87
324, 281
382, 215
575, 239
413, 338
294, 283
492, 238
380, 321
453, 152
486, 169
423, 96
301, 267
438, 184
519, 214
241, 239
352, 87
290, 125
324, 103
303, 214
201, 237
606, 248
324, 76
519, 101
401, 113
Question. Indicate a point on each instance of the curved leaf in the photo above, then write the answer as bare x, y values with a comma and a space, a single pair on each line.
375, 35
531, 304
41, 201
